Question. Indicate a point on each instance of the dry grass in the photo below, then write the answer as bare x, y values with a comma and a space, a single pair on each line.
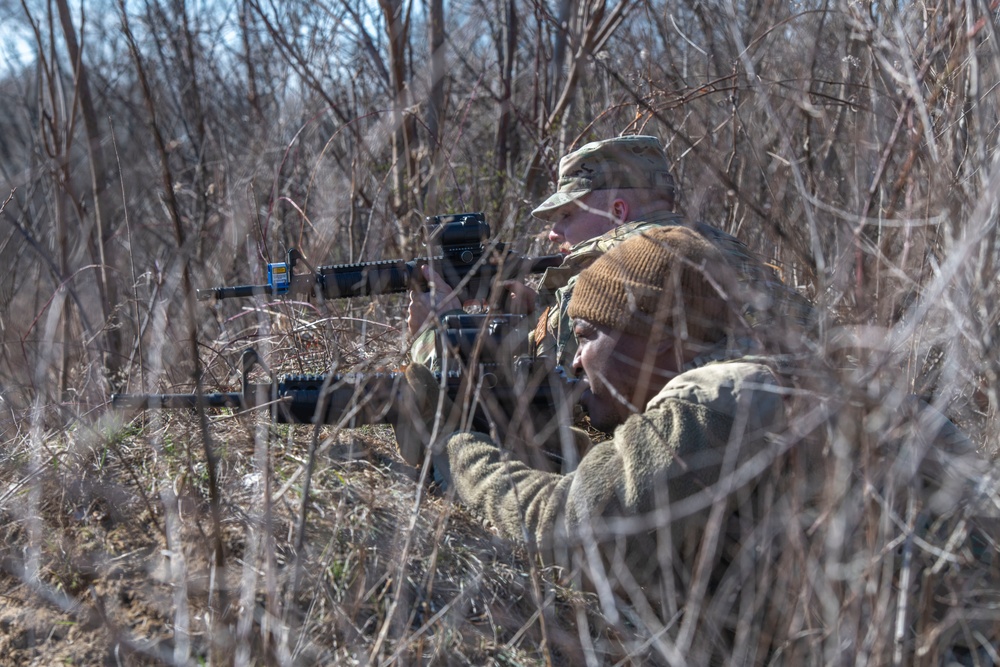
109, 550
853, 144
120, 542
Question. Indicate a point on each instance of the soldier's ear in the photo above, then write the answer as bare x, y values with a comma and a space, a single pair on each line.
620, 210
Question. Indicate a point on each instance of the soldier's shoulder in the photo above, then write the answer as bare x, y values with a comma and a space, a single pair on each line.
723, 386
604, 243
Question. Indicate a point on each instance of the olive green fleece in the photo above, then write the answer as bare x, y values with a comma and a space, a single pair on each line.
654, 460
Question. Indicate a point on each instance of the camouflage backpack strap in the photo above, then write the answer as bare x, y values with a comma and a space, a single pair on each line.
538, 338
560, 327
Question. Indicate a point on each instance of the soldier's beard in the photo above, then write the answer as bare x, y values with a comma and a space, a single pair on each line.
601, 410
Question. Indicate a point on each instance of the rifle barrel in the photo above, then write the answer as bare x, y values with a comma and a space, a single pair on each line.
175, 401
238, 291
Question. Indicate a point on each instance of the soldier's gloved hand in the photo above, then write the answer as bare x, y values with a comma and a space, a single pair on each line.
520, 299
424, 306
423, 411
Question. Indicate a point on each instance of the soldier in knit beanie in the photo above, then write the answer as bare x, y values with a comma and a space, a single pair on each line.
643, 313
633, 513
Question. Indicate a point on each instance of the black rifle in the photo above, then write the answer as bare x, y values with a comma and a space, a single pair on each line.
522, 388
458, 248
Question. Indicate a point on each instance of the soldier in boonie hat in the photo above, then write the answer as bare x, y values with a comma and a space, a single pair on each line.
610, 190
623, 163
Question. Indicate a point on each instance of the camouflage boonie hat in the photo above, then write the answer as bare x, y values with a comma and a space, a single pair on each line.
622, 163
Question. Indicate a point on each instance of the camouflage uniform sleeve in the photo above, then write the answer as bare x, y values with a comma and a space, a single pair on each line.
424, 349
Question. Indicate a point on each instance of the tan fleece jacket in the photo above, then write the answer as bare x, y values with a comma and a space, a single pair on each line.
704, 421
